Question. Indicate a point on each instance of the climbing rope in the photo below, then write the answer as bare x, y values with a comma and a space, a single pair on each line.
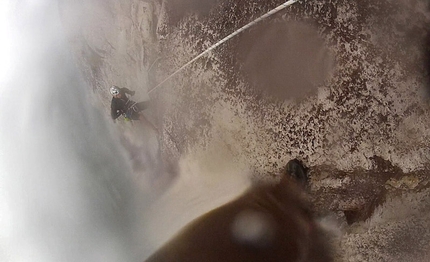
225, 39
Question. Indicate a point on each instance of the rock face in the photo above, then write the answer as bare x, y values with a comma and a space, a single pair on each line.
331, 82
341, 85
115, 42
373, 98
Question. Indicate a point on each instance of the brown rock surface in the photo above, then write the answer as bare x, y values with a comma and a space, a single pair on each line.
333, 83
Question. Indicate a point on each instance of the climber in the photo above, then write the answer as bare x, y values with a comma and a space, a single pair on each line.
122, 105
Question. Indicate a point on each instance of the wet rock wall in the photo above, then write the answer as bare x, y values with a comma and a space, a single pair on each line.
372, 103
333, 83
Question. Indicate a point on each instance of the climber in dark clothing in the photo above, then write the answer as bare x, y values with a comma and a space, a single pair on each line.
122, 105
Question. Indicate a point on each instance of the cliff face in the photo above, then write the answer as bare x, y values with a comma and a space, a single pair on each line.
364, 108
333, 83
115, 42
327, 81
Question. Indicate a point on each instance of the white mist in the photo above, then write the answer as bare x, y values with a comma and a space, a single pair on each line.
65, 188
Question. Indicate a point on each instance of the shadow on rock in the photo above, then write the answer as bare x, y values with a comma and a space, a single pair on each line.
178, 9
284, 60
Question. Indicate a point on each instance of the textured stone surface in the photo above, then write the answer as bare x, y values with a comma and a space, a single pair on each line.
333, 83
373, 103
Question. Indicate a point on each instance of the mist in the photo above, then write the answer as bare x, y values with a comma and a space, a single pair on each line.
70, 190
66, 192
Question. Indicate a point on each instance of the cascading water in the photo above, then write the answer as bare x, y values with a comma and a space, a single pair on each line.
68, 190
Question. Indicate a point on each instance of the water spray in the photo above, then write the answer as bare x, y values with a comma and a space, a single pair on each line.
225, 39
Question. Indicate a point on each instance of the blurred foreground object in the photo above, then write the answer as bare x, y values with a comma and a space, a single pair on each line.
267, 223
